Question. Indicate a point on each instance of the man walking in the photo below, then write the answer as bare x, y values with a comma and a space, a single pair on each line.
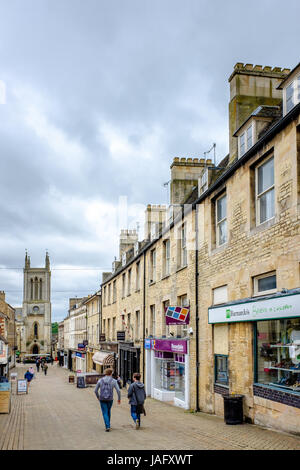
137, 397
45, 368
37, 364
106, 385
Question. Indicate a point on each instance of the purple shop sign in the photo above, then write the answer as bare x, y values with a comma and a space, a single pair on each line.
177, 315
175, 346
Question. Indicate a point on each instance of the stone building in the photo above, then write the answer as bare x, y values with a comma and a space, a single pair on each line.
34, 323
75, 330
227, 250
7, 336
93, 310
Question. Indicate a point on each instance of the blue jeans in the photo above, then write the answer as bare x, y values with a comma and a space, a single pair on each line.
105, 408
135, 416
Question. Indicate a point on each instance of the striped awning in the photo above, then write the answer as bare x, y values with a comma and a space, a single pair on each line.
104, 358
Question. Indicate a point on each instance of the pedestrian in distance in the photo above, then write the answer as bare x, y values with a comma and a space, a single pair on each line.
51, 361
31, 370
137, 397
45, 368
106, 387
38, 363
28, 376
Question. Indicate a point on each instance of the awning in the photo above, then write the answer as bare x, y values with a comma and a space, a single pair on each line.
104, 358
3, 339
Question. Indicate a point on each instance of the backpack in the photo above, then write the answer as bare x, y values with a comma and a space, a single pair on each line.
106, 390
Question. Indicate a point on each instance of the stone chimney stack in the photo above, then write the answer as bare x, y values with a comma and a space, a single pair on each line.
185, 173
155, 219
250, 87
2, 295
128, 238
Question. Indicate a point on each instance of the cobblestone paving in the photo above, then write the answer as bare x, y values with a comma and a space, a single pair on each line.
58, 415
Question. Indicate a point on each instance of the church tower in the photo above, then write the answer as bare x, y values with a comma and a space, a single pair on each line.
36, 311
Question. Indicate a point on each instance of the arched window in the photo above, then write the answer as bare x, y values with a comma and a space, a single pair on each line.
31, 289
36, 289
41, 292
35, 330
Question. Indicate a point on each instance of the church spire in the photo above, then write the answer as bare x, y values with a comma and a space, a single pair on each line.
47, 261
27, 260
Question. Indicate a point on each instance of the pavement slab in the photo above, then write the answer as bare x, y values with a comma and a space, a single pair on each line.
56, 415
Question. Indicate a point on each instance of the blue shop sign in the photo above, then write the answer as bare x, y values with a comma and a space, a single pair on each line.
147, 343
78, 354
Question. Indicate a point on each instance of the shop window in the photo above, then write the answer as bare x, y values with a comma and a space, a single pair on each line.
221, 220
264, 284
170, 373
278, 353
265, 191
221, 369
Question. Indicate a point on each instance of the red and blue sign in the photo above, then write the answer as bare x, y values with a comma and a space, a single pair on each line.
177, 315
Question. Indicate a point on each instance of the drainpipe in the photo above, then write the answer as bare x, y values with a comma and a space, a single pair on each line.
197, 308
144, 313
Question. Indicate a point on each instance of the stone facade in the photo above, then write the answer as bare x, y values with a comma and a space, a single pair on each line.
35, 321
8, 335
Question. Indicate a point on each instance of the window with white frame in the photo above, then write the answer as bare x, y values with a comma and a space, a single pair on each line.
165, 327
291, 94
182, 249
221, 220
129, 282
152, 266
246, 140
166, 258
182, 301
220, 295
137, 325
265, 192
152, 320
104, 295
265, 284
138, 275
109, 294
123, 285
114, 291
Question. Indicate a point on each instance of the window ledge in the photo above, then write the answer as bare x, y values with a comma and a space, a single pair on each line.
165, 277
137, 290
264, 226
151, 283
218, 249
181, 268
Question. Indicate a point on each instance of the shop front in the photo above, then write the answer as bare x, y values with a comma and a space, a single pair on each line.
275, 364
167, 370
3, 356
129, 361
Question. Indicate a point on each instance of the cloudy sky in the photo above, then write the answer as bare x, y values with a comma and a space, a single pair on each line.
97, 98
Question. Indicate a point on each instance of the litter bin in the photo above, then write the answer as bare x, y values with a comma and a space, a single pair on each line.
233, 409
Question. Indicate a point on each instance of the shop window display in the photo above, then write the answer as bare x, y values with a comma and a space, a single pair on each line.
170, 373
278, 353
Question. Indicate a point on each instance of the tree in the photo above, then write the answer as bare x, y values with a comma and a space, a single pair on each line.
55, 328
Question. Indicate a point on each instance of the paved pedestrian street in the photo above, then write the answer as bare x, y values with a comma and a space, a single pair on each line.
57, 415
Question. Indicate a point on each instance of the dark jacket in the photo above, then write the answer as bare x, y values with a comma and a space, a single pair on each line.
28, 376
136, 393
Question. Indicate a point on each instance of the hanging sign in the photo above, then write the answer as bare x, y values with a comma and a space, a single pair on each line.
120, 335
177, 315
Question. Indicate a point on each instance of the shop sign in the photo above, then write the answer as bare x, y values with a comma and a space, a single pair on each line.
175, 346
120, 335
177, 315
22, 386
102, 337
81, 346
148, 344
78, 354
264, 309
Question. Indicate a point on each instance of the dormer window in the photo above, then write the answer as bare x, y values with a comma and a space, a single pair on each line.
291, 90
246, 140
